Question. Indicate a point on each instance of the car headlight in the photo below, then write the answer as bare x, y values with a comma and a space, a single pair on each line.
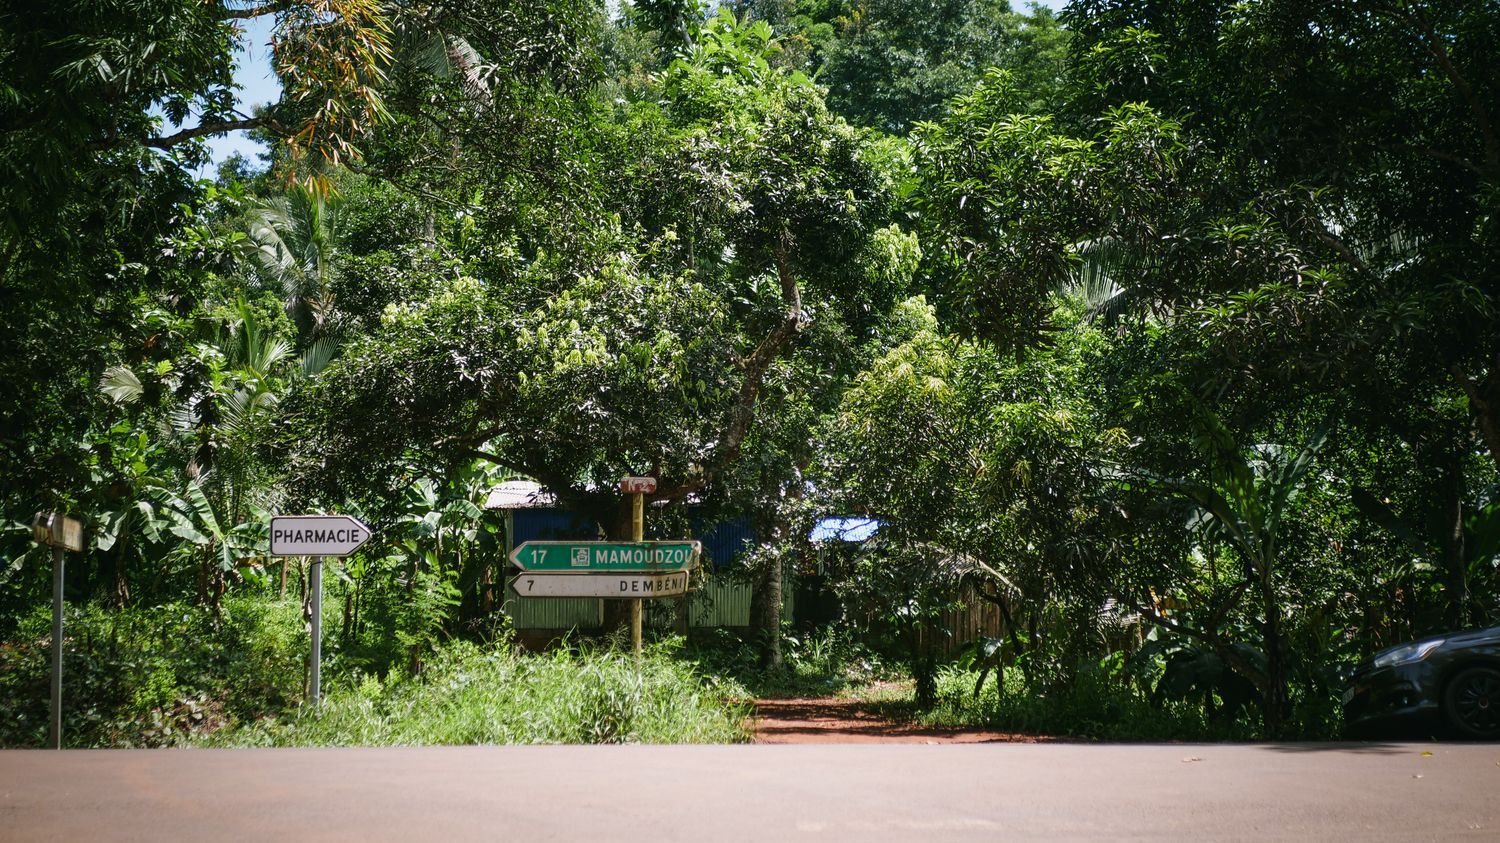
1409, 653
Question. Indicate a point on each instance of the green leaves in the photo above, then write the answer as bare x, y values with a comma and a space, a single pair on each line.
1010, 203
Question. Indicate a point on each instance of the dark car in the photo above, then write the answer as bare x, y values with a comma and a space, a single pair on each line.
1451, 680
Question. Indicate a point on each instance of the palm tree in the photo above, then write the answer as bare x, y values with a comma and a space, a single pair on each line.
291, 241
245, 373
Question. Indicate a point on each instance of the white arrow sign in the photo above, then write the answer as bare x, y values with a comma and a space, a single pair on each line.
601, 585
316, 535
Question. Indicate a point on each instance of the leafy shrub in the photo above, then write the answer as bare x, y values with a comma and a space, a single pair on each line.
151, 675
815, 663
1091, 707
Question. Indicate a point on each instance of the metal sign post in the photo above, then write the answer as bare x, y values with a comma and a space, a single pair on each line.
61, 533
316, 536
315, 680
54, 725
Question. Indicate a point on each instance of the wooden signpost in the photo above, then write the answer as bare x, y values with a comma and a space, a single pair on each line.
634, 570
316, 536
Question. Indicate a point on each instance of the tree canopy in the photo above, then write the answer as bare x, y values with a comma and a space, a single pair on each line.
1167, 329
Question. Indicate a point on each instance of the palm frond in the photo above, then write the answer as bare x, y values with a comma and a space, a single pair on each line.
318, 355
121, 385
1103, 278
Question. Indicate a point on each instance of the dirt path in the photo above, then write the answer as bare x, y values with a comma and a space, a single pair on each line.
833, 720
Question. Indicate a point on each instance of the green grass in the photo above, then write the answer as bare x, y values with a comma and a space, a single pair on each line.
474, 695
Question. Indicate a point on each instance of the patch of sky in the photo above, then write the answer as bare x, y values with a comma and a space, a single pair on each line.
257, 85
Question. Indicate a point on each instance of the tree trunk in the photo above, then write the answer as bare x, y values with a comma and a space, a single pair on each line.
1274, 694
472, 568
1455, 555
924, 667
116, 591
1484, 404
487, 588
1017, 647
765, 612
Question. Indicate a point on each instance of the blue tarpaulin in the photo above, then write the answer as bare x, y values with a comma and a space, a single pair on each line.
844, 529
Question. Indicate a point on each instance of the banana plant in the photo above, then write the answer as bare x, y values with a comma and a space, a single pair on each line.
1243, 499
126, 520
217, 541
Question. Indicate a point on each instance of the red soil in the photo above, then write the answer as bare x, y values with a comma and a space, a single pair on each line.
833, 720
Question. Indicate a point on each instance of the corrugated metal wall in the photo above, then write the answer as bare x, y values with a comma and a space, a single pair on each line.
723, 542
721, 602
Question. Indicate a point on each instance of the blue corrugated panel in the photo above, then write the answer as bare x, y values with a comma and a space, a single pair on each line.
551, 525
723, 542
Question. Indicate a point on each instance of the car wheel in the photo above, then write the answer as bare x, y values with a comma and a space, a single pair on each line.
1472, 702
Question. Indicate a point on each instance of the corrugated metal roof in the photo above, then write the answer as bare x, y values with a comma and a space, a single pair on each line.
519, 494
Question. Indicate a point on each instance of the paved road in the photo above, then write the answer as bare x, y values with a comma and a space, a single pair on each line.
760, 793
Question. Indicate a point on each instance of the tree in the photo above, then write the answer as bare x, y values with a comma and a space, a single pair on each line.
1365, 132
981, 470
890, 64
93, 187
292, 241
646, 349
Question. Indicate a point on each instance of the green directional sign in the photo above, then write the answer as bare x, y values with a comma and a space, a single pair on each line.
611, 557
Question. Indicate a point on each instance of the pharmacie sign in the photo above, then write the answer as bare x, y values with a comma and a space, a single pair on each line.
316, 535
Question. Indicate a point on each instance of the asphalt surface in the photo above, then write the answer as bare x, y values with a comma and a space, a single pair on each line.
760, 793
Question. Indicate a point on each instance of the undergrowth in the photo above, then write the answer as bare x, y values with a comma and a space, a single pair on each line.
819, 663
1091, 707
153, 676
171, 675
470, 694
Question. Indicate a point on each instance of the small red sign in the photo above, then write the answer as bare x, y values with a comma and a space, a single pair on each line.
638, 485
